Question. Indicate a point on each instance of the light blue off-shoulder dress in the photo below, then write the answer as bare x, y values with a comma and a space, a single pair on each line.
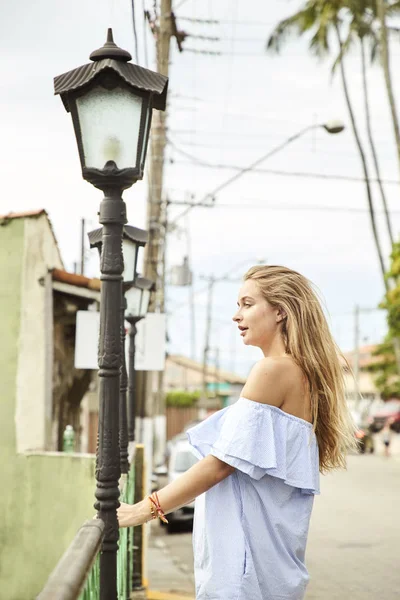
250, 530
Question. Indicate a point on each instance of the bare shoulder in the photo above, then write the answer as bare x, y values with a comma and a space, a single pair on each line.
271, 379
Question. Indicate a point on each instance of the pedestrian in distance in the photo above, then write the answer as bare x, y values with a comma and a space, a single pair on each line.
261, 457
386, 436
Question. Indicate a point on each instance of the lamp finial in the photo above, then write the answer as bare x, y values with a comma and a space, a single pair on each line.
110, 50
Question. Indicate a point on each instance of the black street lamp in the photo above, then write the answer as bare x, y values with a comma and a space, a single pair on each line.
137, 299
111, 102
132, 239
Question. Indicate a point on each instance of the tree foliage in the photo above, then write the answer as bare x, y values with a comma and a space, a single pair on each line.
182, 398
387, 379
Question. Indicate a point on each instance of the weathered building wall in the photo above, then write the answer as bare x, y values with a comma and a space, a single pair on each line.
35, 362
45, 497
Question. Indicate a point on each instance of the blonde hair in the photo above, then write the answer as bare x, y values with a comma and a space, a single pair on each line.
308, 340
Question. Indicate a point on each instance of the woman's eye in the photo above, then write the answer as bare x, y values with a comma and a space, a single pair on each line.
247, 305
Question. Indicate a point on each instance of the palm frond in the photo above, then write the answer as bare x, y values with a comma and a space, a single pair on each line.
392, 8
346, 45
299, 23
375, 50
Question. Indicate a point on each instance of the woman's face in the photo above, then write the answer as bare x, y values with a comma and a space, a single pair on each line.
257, 320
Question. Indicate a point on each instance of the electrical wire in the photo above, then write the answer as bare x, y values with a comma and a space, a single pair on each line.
301, 207
302, 174
227, 22
135, 32
145, 49
203, 163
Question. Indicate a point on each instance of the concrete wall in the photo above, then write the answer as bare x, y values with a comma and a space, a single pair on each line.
11, 260
48, 498
45, 498
35, 364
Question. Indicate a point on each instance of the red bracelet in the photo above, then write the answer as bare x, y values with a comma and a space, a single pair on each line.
157, 507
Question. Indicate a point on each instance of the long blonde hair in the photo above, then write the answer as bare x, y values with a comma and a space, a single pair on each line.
308, 340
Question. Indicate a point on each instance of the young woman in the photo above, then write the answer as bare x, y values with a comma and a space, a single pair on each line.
261, 456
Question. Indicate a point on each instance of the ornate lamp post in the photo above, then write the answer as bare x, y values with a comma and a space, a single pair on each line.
132, 239
137, 298
111, 102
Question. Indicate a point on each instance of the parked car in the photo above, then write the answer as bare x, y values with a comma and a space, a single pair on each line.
181, 458
391, 410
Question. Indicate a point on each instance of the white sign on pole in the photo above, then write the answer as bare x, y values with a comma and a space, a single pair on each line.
87, 339
149, 347
150, 343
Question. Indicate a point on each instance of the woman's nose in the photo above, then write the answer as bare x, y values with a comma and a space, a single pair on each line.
236, 317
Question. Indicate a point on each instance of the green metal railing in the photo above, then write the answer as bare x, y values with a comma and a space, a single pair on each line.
92, 585
125, 550
91, 590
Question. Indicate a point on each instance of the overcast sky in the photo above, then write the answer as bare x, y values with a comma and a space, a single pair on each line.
225, 109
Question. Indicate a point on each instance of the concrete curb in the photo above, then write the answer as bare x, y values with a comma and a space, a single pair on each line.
154, 595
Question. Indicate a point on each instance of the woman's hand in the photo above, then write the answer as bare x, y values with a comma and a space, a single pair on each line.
131, 515
198, 479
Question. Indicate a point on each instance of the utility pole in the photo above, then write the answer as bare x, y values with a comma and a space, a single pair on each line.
356, 358
217, 368
82, 246
210, 293
163, 33
163, 28
191, 293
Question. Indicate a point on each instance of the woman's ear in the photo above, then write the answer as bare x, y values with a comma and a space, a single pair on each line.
281, 315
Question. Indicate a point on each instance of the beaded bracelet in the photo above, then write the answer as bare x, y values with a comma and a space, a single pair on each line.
156, 510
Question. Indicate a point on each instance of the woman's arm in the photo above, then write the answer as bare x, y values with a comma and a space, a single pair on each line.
198, 479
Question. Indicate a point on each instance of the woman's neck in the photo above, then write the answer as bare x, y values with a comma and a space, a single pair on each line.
275, 347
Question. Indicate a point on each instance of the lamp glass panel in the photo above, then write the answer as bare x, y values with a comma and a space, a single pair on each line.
146, 134
129, 250
145, 303
110, 125
133, 299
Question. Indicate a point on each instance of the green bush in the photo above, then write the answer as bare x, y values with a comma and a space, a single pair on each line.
182, 398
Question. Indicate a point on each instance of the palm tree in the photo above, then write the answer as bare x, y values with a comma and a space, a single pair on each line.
324, 18
382, 9
362, 30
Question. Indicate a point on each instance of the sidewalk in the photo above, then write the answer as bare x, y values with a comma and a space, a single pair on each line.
169, 578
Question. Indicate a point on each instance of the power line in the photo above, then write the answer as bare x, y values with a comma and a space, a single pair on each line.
180, 4
197, 20
202, 163
301, 207
227, 22
205, 52
144, 22
135, 32
302, 174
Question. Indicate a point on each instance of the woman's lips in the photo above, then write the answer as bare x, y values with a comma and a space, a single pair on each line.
243, 331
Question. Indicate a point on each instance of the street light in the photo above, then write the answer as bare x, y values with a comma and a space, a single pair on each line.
137, 300
132, 239
332, 127
111, 106
111, 102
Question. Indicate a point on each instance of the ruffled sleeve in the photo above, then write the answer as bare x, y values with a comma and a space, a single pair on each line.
259, 439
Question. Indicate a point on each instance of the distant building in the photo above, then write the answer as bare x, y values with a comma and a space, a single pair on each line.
182, 373
367, 388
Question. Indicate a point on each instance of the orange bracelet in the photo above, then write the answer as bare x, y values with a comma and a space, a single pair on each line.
156, 510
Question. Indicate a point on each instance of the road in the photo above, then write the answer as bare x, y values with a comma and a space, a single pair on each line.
354, 542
